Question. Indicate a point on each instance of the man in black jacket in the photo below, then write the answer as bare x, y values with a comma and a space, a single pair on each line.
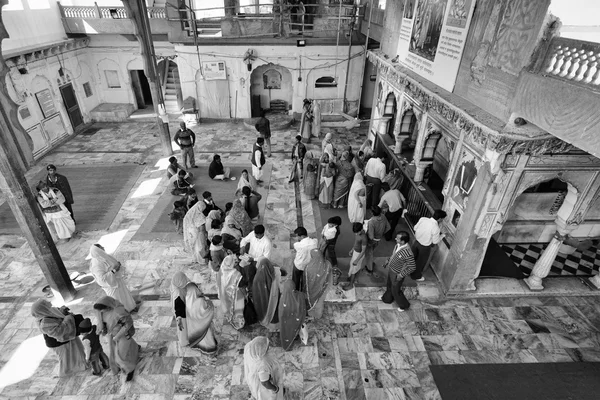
60, 182
217, 171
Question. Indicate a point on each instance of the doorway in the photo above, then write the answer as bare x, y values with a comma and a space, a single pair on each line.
141, 88
389, 111
70, 100
272, 84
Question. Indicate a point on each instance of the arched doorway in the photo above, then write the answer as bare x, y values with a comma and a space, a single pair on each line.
529, 227
168, 75
271, 89
409, 126
389, 111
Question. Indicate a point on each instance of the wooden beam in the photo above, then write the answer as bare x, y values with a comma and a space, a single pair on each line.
20, 198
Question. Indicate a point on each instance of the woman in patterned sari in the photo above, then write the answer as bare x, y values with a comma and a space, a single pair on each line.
342, 181
318, 277
231, 286
194, 314
292, 311
115, 322
240, 216
265, 293
357, 201
194, 233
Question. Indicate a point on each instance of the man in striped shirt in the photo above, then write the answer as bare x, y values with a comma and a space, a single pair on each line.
402, 264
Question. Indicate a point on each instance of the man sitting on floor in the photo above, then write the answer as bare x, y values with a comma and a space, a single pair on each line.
216, 170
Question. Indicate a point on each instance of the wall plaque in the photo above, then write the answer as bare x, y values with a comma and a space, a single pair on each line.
46, 102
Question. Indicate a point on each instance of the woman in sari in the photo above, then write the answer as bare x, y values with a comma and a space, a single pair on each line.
231, 235
342, 181
311, 173
327, 147
318, 277
357, 200
214, 215
231, 284
59, 328
263, 374
115, 322
57, 217
239, 215
194, 233
292, 312
367, 149
328, 173
108, 274
265, 293
194, 314
246, 180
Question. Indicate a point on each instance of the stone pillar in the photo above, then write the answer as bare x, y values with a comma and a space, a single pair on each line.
419, 171
544, 263
398, 125
18, 193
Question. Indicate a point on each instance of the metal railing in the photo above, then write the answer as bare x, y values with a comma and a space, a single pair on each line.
416, 204
576, 61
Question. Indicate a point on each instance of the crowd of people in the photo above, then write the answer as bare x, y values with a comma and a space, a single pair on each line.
232, 244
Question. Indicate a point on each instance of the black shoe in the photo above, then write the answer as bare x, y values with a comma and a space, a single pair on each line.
129, 376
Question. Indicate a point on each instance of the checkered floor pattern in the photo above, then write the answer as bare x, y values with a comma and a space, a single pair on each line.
579, 263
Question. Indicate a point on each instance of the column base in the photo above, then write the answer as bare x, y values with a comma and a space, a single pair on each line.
593, 282
533, 284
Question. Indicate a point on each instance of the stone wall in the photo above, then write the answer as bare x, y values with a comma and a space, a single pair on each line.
391, 26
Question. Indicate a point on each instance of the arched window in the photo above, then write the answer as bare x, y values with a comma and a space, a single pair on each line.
325, 81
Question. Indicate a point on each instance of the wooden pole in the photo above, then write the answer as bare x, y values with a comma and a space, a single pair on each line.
20, 198
138, 13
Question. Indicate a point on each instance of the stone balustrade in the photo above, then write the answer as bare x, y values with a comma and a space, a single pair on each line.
576, 61
106, 12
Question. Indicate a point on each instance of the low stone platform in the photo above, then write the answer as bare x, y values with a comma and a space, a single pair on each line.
112, 112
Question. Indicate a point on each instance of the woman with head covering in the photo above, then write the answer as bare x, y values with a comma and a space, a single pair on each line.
342, 181
264, 374
230, 284
115, 322
239, 215
327, 147
292, 311
318, 277
367, 149
311, 173
59, 328
231, 235
57, 217
265, 293
357, 199
108, 273
212, 216
348, 148
194, 233
328, 173
194, 314
246, 179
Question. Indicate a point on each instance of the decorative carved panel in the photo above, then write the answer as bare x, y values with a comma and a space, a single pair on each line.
516, 34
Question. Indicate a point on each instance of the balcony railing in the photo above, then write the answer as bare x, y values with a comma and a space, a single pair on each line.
573, 60
106, 12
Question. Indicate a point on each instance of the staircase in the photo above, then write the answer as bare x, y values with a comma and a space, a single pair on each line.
171, 90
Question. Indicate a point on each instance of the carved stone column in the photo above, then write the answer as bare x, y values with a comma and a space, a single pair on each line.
563, 228
420, 171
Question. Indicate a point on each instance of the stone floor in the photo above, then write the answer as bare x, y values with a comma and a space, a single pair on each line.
360, 349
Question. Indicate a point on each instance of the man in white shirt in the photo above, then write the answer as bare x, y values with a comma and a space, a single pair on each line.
260, 245
258, 159
375, 171
427, 235
392, 204
303, 248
